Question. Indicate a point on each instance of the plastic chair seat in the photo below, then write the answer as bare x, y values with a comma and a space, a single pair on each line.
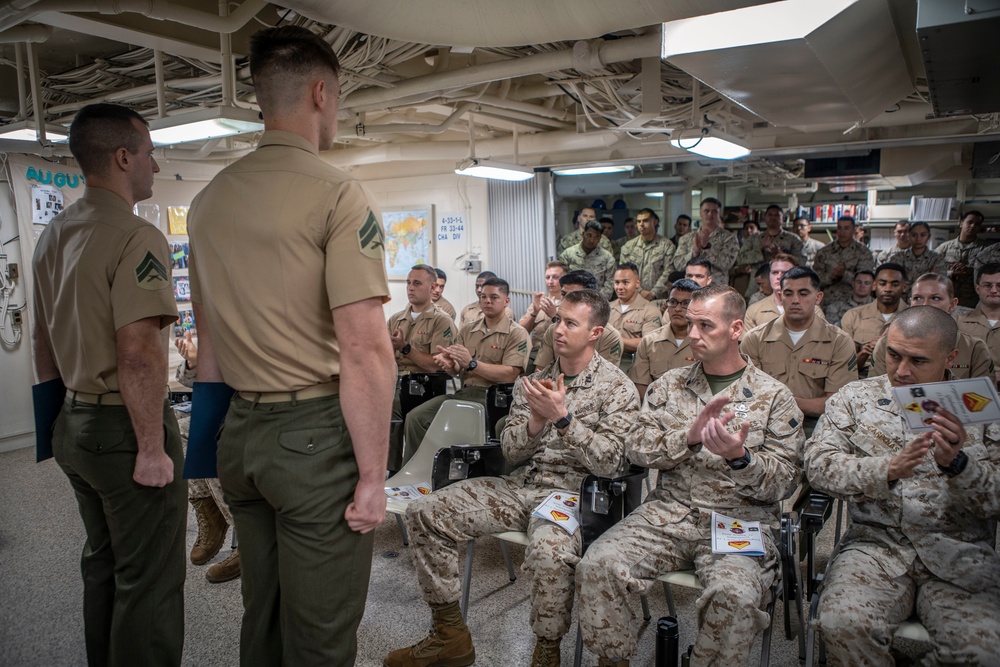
913, 630
685, 578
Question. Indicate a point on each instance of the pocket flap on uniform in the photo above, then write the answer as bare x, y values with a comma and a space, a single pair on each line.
99, 442
309, 440
814, 369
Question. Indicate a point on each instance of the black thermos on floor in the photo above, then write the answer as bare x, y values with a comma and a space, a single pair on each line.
666, 642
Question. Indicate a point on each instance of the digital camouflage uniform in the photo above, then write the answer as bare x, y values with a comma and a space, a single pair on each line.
753, 254
600, 262
883, 256
658, 353
603, 403
672, 529
856, 257
835, 311
923, 543
641, 318
973, 360
653, 259
574, 238
721, 251
988, 255
955, 251
609, 346
809, 248
929, 262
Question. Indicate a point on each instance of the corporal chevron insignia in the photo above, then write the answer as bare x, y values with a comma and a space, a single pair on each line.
371, 237
151, 274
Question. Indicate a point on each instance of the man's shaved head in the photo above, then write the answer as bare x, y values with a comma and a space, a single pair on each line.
927, 322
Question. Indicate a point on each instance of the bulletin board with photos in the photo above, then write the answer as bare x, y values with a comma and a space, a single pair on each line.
180, 254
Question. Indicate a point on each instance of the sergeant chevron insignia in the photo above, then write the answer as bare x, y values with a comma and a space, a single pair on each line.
371, 237
150, 273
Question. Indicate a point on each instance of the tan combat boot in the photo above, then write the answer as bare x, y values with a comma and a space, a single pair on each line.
546, 653
211, 530
225, 570
448, 645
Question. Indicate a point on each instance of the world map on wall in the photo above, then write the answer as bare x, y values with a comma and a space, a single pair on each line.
407, 240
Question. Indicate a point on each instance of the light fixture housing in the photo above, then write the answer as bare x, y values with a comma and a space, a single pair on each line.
25, 130
204, 124
594, 169
715, 144
498, 171
655, 195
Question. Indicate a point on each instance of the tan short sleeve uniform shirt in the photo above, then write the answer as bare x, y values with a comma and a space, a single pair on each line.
640, 319
506, 344
425, 332
97, 267
659, 352
278, 239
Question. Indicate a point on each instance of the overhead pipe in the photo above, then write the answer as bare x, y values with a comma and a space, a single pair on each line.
159, 10
588, 55
22, 91
416, 128
161, 93
533, 144
34, 32
36, 92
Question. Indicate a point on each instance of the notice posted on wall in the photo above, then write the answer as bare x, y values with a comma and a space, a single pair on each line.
46, 203
451, 226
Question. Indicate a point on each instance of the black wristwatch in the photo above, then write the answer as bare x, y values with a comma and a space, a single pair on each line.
956, 466
405, 350
472, 365
564, 422
740, 463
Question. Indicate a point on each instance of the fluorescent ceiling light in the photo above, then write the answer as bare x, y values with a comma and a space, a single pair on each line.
499, 171
586, 171
713, 144
25, 131
204, 124
654, 194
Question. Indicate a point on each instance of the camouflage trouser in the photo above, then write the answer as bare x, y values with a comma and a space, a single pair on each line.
201, 488
625, 560
439, 523
861, 607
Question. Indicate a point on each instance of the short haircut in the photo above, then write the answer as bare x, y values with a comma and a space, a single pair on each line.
685, 285
282, 60
749, 222
891, 266
584, 279
905, 223
499, 283
762, 270
432, 274
914, 225
675, 276
98, 131
684, 216
710, 200
778, 208
486, 275
556, 264
943, 281
927, 322
441, 274
608, 221
650, 212
699, 261
594, 225
987, 269
600, 310
628, 266
785, 257
849, 218
797, 272
865, 272
979, 215
733, 305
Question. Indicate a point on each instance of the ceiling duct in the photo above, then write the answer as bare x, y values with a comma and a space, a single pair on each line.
797, 62
889, 168
611, 184
962, 77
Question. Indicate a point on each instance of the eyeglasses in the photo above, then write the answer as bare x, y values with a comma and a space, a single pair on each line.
673, 303
986, 286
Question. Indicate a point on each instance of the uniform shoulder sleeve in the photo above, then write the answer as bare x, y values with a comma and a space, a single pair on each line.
355, 248
141, 283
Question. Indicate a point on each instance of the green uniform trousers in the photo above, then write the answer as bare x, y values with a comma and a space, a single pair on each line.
419, 419
133, 560
288, 473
